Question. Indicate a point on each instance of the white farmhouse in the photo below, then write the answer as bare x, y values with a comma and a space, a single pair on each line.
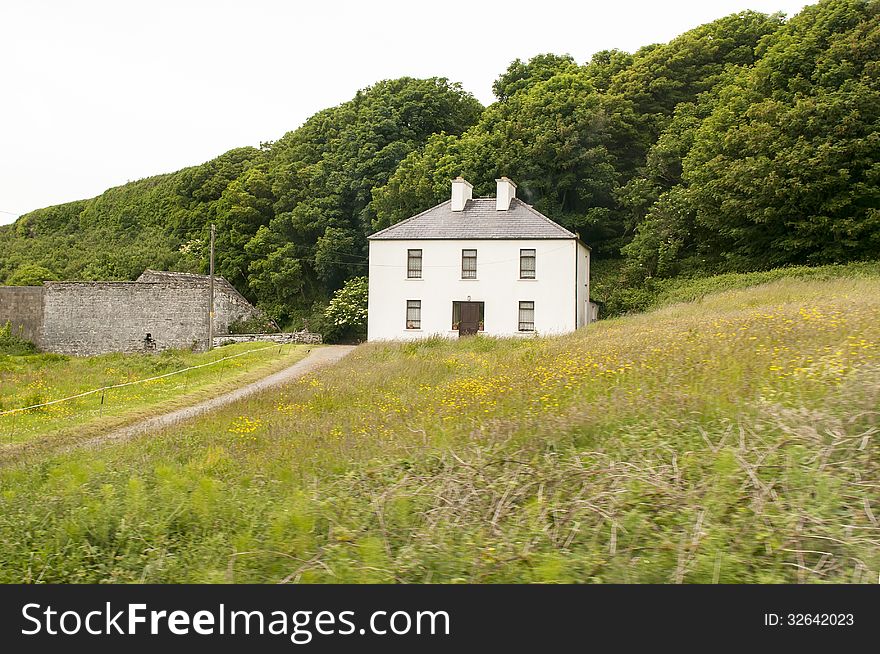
477, 265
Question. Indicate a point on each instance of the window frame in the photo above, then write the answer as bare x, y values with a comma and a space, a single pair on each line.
468, 273
524, 257
520, 320
414, 323
411, 271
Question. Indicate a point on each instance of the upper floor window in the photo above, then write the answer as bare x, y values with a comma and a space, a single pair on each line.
527, 316
468, 264
526, 264
413, 264
413, 314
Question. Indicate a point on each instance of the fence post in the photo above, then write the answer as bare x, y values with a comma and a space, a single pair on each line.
101, 411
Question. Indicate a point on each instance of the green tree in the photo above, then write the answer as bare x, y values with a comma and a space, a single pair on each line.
243, 207
30, 275
662, 76
322, 178
785, 169
420, 181
521, 76
605, 65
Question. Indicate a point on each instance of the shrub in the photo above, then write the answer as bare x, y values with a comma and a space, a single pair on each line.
13, 343
347, 310
254, 325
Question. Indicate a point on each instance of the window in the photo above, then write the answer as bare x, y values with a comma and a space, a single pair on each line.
527, 316
468, 264
456, 315
413, 314
526, 264
413, 264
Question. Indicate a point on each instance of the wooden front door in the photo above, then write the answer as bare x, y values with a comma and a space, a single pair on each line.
470, 319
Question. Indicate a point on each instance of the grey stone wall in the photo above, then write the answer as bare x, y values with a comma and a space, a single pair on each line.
230, 306
309, 338
86, 318
22, 306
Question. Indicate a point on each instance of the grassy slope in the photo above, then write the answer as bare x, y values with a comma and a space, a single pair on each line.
609, 284
34, 379
731, 440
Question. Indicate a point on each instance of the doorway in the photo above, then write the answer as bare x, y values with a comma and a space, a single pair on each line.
467, 317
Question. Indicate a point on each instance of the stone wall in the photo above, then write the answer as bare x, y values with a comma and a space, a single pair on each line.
22, 306
230, 306
308, 338
86, 318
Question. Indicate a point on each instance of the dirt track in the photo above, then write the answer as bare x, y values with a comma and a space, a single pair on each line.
317, 358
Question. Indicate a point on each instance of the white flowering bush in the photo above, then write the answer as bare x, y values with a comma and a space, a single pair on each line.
348, 308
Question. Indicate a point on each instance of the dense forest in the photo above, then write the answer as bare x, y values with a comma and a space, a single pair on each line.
748, 143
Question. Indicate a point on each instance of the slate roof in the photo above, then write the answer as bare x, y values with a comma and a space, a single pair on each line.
479, 220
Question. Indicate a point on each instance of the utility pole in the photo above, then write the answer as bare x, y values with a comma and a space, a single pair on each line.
211, 295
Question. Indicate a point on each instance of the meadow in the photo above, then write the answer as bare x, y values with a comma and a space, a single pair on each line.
609, 284
728, 440
33, 379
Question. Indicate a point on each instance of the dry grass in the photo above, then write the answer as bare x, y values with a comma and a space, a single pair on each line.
731, 440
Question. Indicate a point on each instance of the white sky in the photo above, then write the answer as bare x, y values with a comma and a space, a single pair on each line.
94, 94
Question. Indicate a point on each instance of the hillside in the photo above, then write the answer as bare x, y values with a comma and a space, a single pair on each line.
731, 439
745, 144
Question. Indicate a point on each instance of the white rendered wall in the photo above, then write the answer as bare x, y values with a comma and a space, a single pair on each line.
558, 290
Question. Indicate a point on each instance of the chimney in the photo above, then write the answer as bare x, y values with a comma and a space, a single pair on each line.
505, 193
462, 191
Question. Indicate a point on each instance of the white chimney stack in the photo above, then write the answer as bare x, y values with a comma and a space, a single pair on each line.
505, 193
462, 191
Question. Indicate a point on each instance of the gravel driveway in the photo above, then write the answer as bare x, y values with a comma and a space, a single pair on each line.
317, 358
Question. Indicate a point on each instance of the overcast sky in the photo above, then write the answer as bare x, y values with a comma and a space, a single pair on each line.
94, 94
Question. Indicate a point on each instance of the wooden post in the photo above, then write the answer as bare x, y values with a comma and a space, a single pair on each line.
211, 295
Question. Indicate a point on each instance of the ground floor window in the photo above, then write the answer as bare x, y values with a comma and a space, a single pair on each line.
527, 316
456, 314
413, 314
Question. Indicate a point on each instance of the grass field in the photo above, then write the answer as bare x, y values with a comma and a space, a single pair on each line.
39, 378
730, 440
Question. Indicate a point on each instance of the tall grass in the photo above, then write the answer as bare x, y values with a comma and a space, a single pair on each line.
732, 440
33, 379
620, 298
